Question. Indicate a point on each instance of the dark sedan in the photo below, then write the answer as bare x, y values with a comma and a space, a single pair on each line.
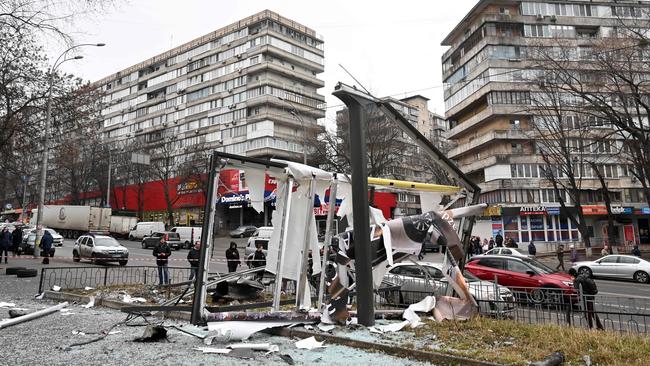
172, 239
243, 231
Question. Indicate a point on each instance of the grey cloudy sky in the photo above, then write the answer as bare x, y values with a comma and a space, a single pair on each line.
391, 47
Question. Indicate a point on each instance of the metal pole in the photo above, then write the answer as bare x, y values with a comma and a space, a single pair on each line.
201, 279
283, 239
46, 153
108, 185
306, 244
328, 238
363, 251
24, 203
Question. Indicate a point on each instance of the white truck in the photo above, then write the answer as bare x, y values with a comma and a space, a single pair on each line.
121, 225
73, 221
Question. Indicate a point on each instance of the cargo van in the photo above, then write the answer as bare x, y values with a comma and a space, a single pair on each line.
142, 229
189, 234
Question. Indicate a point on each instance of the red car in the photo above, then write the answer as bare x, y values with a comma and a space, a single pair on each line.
524, 275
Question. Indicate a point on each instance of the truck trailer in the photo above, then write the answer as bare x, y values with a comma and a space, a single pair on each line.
73, 221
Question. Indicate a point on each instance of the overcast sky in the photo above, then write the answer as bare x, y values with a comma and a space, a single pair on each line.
391, 47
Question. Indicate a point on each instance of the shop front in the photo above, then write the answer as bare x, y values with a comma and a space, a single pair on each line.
535, 223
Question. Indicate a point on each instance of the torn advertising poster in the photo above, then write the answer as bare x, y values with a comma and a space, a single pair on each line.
237, 330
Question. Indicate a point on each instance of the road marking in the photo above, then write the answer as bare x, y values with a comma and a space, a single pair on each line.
618, 294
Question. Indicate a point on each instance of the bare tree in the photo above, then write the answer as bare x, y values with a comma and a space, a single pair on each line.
166, 164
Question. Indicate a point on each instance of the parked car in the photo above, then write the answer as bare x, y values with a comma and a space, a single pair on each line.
265, 232
28, 244
142, 229
615, 266
173, 240
526, 276
416, 281
99, 248
57, 239
515, 252
243, 231
189, 234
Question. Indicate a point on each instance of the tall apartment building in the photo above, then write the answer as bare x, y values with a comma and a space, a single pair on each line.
488, 105
249, 88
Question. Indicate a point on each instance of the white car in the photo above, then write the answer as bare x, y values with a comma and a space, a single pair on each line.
57, 239
99, 248
415, 285
615, 266
515, 252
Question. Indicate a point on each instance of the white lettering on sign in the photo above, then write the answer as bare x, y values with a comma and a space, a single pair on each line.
533, 210
237, 198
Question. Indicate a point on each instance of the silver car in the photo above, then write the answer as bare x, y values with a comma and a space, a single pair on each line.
415, 285
616, 266
515, 252
99, 248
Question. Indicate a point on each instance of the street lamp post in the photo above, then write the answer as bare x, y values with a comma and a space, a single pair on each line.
294, 112
46, 141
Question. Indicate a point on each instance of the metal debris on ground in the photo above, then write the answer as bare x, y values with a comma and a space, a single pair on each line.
90, 303
31, 316
310, 343
287, 358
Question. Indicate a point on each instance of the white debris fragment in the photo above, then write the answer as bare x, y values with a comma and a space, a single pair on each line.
309, 327
128, 299
223, 351
88, 288
309, 343
90, 303
7, 304
56, 288
114, 332
326, 327
268, 347
237, 330
426, 305
76, 332
39, 296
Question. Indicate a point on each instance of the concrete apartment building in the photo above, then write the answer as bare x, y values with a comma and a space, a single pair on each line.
249, 88
488, 106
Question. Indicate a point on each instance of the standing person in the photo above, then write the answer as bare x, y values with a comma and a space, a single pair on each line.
491, 243
498, 240
532, 250
560, 257
586, 286
193, 257
5, 244
605, 251
16, 239
574, 253
259, 258
46, 246
485, 246
636, 251
162, 253
232, 256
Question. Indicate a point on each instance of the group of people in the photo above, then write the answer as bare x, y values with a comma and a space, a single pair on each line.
480, 247
163, 251
10, 241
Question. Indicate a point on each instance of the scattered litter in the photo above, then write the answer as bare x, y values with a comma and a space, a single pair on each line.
56, 288
39, 296
309, 343
129, 300
242, 353
90, 303
268, 347
192, 330
326, 327
236, 330
554, 359
352, 321
114, 332
7, 304
68, 313
76, 332
309, 327
375, 330
153, 333
287, 359
88, 288
425, 306
587, 360
14, 313
223, 351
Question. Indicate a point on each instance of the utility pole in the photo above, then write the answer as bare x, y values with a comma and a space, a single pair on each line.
108, 185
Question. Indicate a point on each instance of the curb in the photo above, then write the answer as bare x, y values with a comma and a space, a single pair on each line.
435, 357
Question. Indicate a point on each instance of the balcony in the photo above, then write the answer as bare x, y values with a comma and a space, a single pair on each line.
482, 140
485, 162
483, 116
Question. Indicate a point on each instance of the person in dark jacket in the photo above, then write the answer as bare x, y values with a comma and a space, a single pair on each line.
586, 286
532, 250
636, 251
491, 243
232, 256
16, 239
193, 256
560, 257
259, 258
162, 253
5, 244
46, 246
498, 240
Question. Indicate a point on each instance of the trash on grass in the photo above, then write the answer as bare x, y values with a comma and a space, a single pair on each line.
554, 359
309, 343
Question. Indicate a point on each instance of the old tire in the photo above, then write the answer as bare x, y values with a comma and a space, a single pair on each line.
123, 263
585, 270
641, 277
28, 272
13, 270
75, 256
